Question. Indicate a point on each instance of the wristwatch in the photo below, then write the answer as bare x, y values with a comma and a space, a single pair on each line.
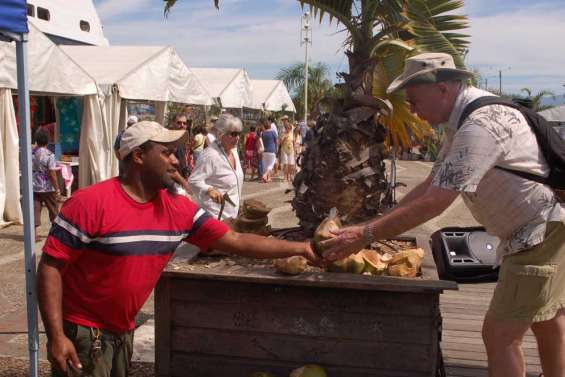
368, 234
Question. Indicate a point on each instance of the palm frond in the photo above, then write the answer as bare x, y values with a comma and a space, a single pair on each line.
401, 124
432, 25
169, 4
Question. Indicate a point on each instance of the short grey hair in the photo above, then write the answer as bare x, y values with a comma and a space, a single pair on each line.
227, 123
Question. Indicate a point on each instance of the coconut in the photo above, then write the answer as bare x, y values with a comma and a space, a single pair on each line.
338, 265
291, 266
324, 232
356, 263
310, 370
353, 264
374, 263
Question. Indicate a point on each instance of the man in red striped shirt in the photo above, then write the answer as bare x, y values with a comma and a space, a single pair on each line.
109, 244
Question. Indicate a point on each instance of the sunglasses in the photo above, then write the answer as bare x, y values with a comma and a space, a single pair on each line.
181, 122
235, 134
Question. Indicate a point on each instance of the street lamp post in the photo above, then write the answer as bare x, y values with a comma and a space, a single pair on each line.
306, 39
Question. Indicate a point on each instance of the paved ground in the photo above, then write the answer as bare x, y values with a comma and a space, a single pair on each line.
13, 325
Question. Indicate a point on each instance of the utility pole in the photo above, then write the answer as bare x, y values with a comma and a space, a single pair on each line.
500, 79
306, 39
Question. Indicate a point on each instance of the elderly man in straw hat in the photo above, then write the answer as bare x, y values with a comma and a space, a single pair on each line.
109, 244
524, 214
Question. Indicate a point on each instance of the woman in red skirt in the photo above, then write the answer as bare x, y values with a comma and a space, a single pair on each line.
250, 158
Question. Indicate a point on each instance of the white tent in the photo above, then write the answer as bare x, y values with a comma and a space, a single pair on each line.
554, 114
132, 73
232, 86
51, 72
271, 95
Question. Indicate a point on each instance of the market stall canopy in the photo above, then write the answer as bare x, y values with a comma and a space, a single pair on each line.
51, 71
153, 73
271, 95
232, 86
554, 114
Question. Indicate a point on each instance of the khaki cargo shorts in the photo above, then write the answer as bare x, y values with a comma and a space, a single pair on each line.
531, 283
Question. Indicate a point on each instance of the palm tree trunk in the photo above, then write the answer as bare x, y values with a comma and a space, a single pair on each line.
343, 166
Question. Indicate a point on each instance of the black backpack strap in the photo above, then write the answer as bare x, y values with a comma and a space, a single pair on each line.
484, 101
493, 100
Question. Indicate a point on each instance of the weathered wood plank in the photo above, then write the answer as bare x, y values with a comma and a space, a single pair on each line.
259, 317
305, 298
163, 329
292, 348
191, 365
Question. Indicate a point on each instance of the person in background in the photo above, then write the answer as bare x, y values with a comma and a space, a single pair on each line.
260, 148
250, 153
269, 137
275, 128
180, 122
210, 137
219, 171
107, 248
132, 119
287, 151
297, 147
45, 183
198, 142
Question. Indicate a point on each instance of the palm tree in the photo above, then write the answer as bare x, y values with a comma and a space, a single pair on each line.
534, 101
344, 166
319, 85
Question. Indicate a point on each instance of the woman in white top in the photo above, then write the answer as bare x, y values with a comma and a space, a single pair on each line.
218, 170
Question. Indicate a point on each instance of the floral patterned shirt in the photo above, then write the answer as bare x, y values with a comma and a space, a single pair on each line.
512, 208
42, 161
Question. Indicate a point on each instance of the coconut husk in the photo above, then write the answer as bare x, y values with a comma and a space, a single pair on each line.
406, 263
374, 263
246, 225
291, 266
255, 209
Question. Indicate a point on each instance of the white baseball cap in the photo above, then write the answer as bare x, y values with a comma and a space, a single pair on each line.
144, 131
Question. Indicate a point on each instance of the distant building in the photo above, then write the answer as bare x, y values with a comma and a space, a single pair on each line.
67, 22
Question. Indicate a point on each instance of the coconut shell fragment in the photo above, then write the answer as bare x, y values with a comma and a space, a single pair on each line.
291, 266
374, 263
406, 263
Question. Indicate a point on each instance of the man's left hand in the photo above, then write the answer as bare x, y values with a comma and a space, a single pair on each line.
347, 241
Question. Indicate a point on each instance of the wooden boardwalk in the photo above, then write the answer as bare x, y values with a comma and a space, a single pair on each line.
462, 346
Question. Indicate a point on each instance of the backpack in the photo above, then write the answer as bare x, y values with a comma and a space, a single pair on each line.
550, 143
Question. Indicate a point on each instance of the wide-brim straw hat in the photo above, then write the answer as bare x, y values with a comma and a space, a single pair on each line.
428, 67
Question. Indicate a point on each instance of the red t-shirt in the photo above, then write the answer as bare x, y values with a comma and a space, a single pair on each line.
114, 250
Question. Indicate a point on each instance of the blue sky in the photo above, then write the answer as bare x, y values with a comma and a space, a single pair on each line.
523, 39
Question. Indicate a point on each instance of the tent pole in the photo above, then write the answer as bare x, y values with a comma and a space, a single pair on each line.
27, 205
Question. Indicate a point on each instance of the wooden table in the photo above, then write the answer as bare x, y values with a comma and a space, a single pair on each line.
235, 320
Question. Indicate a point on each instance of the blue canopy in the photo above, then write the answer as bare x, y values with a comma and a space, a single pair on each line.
13, 16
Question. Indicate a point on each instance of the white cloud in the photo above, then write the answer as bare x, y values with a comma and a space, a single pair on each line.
112, 8
527, 45
206, 38
529, 40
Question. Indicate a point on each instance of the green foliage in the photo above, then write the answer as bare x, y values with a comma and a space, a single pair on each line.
319, 84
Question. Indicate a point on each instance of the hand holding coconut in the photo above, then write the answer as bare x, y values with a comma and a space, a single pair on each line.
345, 241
